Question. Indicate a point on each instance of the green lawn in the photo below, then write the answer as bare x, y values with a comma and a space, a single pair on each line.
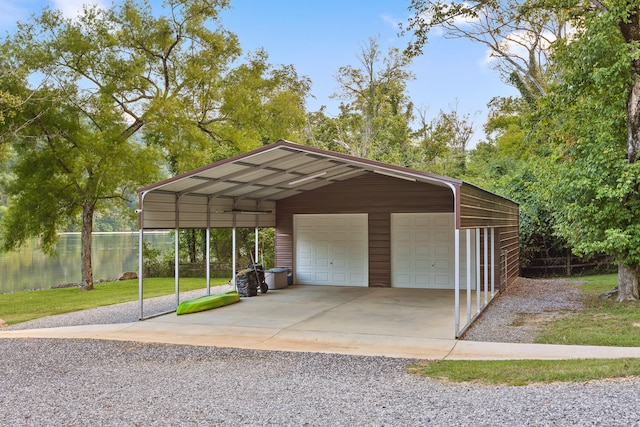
523, 372
601, 322
20, 307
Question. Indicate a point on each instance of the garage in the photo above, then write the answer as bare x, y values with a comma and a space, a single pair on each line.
331, 250
346, 221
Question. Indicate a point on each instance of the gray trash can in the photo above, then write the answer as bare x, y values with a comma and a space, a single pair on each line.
276, 278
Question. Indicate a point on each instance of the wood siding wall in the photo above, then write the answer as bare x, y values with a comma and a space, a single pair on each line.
376, 195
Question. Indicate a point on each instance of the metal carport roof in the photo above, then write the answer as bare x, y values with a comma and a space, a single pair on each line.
242, 191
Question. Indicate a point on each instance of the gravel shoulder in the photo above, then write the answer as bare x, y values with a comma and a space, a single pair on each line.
518, 313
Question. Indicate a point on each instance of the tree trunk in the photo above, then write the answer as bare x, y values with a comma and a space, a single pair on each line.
627, 283
628, 276
85, 248
633, 121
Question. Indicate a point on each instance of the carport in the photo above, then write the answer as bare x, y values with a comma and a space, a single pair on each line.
348, 221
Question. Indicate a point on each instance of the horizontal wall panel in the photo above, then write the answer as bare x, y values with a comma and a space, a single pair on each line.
480, 208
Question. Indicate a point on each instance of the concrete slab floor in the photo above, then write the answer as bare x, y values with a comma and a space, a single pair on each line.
411, 313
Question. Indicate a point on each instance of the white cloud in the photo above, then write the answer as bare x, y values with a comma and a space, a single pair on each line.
393, 22
71, 8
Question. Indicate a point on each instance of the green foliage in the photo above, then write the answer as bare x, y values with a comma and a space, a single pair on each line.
440, 145
111, 91
375, 112
63, 161
593, 189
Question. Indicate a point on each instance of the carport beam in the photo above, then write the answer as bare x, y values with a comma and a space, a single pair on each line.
177, 265
256, 259
233, 255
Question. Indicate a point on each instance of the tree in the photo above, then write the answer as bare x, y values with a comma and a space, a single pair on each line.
115, 86
374, 117
65, 167
518, 35
439, 145
589, 116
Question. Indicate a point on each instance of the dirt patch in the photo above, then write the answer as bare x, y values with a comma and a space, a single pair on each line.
517, 314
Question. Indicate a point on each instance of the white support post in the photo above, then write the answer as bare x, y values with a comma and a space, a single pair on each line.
478, 262
208, 256
140, 269
486, 265
257, 259
468, 245
456, 278
208, 245
177, 251
177, 266
233, 255
493, 262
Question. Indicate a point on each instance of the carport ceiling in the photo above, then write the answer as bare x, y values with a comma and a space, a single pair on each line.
254, 181
281, 170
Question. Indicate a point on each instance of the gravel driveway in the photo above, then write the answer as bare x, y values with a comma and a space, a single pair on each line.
105, 383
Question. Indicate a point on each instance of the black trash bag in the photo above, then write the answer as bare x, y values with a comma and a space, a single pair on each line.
258, 270
247, 283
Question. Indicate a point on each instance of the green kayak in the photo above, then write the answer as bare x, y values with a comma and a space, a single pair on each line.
208, 302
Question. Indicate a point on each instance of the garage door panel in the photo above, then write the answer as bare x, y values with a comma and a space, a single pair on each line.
442, 280
339, 249
443, 220
423, 251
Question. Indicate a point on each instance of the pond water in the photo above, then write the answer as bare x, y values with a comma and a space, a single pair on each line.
113, 253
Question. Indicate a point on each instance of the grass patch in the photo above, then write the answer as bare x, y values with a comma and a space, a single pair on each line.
20, 307
525, 372
601, 322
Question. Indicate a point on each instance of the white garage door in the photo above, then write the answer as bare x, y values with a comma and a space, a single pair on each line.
331, 249
423, 251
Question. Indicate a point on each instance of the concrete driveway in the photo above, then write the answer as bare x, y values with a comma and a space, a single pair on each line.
407, 323
380, 321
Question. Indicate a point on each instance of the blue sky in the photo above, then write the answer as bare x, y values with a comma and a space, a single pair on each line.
318, 37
